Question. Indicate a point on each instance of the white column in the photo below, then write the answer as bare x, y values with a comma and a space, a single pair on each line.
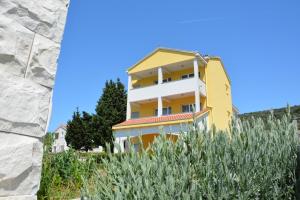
129, 84
128, 110
159, 100
159, 107
160, 75
129, 87
197, 89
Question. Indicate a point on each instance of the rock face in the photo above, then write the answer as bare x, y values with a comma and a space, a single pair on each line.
30, 37
21, 178
24, 106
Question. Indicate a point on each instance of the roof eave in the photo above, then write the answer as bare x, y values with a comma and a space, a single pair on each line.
195, 53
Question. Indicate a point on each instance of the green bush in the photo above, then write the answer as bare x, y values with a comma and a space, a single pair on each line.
98, 157
257, 160
62, 174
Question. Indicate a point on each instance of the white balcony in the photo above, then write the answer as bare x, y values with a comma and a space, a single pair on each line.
166, 89
202, 88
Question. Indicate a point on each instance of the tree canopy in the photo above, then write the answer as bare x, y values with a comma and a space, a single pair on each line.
79, 132
86, 131
110, 110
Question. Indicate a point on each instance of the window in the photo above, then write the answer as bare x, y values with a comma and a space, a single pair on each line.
167, 80
185, 76
56, 135
135, 115
166, 111
191, 75
187, 108
126, 145
164, 80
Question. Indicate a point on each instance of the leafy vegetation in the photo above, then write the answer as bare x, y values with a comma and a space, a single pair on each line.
62, 175
48, 140
86, 131
257, 160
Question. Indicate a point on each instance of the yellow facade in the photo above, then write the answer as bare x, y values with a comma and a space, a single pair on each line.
215, 101
149, 138
161, 57
218, 88
177, 103
175, 76
148, 109
145, 109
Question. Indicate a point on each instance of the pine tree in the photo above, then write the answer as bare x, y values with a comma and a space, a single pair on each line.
79, 133
110, 110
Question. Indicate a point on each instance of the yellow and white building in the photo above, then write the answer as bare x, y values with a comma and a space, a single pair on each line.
170, 88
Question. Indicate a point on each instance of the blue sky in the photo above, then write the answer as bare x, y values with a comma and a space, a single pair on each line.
259, 42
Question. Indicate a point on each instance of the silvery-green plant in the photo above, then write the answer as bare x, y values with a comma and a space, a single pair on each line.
255, 160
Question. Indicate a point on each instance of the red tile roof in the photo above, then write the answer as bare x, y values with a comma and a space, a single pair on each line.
165, 118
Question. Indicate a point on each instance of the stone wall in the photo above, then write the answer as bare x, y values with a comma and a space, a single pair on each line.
30, 35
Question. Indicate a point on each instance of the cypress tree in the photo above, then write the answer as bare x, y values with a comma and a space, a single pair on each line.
110, 110
79, 131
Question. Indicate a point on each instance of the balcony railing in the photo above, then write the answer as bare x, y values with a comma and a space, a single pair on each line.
166, 89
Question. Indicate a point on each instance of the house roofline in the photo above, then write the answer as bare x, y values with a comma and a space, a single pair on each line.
168, 122
63, 126
219, 59
194, 53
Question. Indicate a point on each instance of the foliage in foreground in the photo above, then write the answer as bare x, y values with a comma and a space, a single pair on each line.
257, 161
62, 175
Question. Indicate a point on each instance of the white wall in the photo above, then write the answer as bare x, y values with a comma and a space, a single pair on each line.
165, 89
60, 143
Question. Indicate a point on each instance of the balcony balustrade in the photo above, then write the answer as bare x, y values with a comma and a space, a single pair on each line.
166, 89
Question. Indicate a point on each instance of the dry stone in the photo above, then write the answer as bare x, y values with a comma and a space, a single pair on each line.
15, 45
45, 17
24, 197
24, 106
43, 61
23, 158
30, 36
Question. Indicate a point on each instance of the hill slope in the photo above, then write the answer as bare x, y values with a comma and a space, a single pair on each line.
295, 112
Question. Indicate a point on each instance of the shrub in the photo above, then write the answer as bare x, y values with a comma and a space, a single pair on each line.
63, 173
98, 157
257, 160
